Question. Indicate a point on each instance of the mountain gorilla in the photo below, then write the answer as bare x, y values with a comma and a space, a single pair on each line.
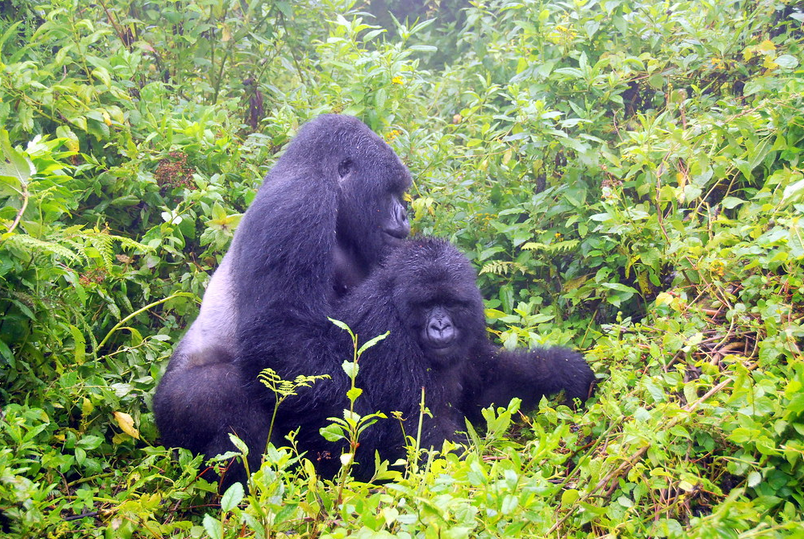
425, 295
327, 213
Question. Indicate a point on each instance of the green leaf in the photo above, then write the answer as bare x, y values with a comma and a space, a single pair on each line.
787, 61
795, 406
350, 368
16, 165
732, 202
569, 497
213, 527
136, 336
354, 393
102, 75
5, 352
8, 33
342, 325
620, 287
232, 497
423, 48
656, 81
372, 342
793, 191
352, 418
509, 504
332, 433
286, 8
379, 99
239, 444
79, 352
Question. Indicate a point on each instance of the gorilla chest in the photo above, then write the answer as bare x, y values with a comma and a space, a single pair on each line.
403, 390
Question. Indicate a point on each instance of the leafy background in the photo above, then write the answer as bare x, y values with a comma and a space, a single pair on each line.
626, 177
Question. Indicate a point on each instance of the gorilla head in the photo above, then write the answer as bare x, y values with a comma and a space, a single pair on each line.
329, 210
341, 155
433, 288
371, 212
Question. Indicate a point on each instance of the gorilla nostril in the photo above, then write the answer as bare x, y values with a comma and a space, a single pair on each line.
440, 332
397, 225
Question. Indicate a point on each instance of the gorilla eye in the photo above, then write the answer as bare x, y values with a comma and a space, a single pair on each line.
344, 167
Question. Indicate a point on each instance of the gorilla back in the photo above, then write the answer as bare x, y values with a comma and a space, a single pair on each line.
327, 213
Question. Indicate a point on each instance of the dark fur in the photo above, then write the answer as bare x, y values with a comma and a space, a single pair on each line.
327, 213
420, 278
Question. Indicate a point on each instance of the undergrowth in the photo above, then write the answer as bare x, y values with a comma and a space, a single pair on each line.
625, 176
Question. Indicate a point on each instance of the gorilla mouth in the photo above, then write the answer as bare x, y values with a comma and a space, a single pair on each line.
441, 349
396, 234
393, 240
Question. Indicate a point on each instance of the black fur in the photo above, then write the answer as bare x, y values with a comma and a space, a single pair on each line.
426, 295
328, 212
425, 287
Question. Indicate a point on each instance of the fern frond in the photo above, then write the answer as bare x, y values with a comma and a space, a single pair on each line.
103, 244
77, 247
567, 245
551, 248
534, 246
36, 246
500, 267
74, 244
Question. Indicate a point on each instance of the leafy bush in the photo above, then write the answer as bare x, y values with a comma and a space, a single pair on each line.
626, 177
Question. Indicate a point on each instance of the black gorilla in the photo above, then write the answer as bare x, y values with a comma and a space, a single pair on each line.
426, 295
329, 211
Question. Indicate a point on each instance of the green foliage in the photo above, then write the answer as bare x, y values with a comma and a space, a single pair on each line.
282, 389
351, 426
625, 176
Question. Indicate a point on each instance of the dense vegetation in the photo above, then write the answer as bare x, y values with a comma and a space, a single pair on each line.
626, 176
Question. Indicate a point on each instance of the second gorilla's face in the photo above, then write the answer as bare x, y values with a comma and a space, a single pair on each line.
442, 334
433, 289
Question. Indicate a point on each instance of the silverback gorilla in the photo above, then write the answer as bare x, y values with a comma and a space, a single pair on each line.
425, 295
327, 213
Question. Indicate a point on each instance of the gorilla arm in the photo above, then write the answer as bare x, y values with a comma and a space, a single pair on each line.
529, 375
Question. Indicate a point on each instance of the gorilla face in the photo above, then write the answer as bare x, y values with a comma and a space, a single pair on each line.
435, 295
439, 333
372, 219
447, 328
371, 209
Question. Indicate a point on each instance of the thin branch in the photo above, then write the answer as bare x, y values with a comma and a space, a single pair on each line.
25, 196
140, 311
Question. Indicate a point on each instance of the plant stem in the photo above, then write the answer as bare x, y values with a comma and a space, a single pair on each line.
138, 312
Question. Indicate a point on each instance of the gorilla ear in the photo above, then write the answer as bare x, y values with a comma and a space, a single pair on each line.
344, 168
